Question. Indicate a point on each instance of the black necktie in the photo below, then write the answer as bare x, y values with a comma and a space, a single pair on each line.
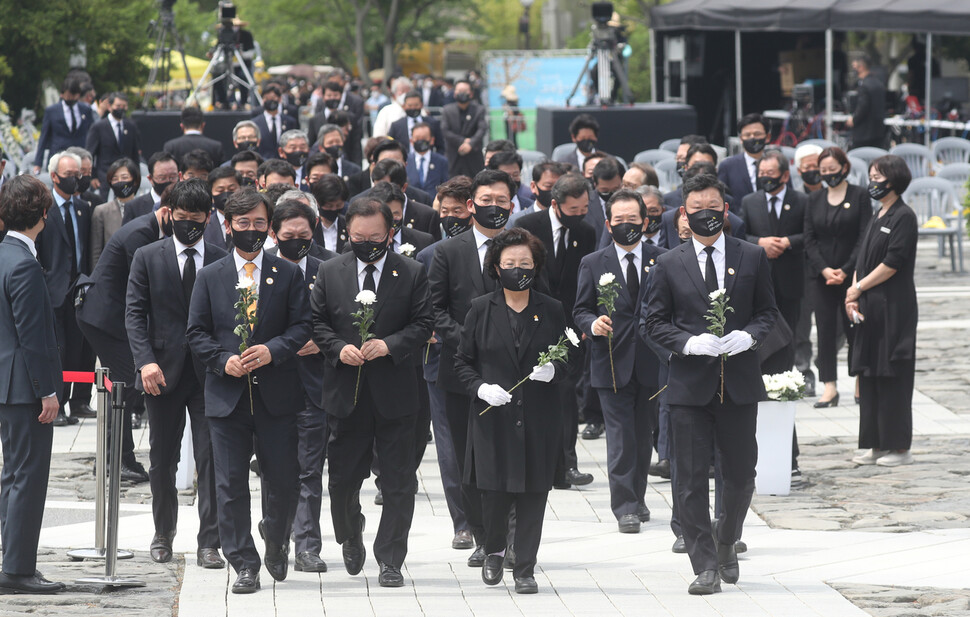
710, 272
369, 283
487, 280
632, 276
774, 215
69, 224
272, 129
188, 272
561, 245
71, 123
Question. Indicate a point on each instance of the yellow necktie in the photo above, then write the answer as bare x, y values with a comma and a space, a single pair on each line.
250, 268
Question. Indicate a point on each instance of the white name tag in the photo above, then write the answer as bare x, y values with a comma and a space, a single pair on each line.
884, 230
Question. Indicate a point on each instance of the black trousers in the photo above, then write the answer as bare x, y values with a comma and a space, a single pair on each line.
312, 435
232, 448
569, 397
422, 426
886, 409
784, 359
803, 330
589, 402
76, 353
530, 509
351, 447
830, 318
697, 431
26, 445
447, 463
166, 418
457, 408
628, 416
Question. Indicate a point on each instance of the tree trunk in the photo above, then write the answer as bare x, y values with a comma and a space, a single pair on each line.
360, 14
390, 36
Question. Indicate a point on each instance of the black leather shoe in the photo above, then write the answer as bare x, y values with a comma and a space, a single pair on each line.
661, 469
390, 576
309, 562
254, 467
276, 556
161, 548
809, 383
578, 478
354, 552
679, 546
526, 584
477, 559
10, 583
593, 430
561, 486
463, 540
379, 498
137, 421
706, 583
832, 402
727, 558
247, 581
83, 411
643, 513
133, 475
509, 562
629, 523
492, 570
209, 559
740, 547
64, 420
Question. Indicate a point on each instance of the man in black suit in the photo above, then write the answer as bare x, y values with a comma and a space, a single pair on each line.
426, 169
331, 194
66, 123
353, 105
157, 310
774, 217
584, 132
401, 129
193, 124
678, 298
465, 126
511, 163
163, 171
31, 370
701, 152
113, 138
373, 394
740, 171
272, 123
330, 139
735, 226
62, 249
866, 122
607, 179
253, 394
223, 182
402, 232
245, 138
333, 93
568, 238
417, 213
292, 231
625, 375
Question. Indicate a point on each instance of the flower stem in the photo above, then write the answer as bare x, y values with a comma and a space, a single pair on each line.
612, 372
357, 387
722, 379
524, 379
427, 352
249, 382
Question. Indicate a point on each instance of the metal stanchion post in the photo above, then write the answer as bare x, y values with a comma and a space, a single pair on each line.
114, 497
101, 376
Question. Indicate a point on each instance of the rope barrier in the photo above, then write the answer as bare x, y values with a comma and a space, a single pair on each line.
81, 377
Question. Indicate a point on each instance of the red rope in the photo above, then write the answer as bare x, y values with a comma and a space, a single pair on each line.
81, 377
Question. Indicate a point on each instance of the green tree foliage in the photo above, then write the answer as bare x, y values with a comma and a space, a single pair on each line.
497, 22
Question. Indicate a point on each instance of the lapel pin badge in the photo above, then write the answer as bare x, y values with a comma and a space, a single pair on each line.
393, 272
410, 226
431, 166
575, 244
787, 207
311, 286
731, 271
535, 318
274, 269
646, 268
468, 117
846, 205
269, 281
651, 262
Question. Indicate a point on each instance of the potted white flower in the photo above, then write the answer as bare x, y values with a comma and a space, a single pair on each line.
776, 422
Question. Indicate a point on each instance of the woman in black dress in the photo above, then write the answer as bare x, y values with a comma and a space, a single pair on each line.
882, 301
836, 220
513, 447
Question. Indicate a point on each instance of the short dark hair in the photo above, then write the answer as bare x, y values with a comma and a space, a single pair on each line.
836, 153
369, 206
556, 169
700, 167
515, 236
330, 187
278, 167
198, 159
391, 169
389, 144
387, 192
693, 139
292, 209
333, 87
223, 172
192, 117
418, 124
895, 170
339, 117
23, 201
500, 145
272, 88
191, 195
160, 157
414, 94
584, 121
458, 188
244, 201
125, 163
702, 182
626, 195
72, 84
570, 185
773, 154
371, 145
607, 169
319, 158
650, 177
702, 148
751, 119
246, 156
505, 158
276, 190
114, 96
488, 177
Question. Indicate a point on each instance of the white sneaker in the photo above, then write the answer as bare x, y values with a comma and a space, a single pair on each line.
895, 459
870, 457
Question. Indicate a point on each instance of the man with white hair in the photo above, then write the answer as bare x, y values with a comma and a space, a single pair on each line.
395, 111
806, 162
294, 149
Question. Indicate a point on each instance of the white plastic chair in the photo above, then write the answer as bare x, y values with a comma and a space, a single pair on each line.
951, 150
918, 158
959, 175
859, 174
652, 157
667, 174
867, 154
670, 145
530, 158
562, 150
821, 143
936, 197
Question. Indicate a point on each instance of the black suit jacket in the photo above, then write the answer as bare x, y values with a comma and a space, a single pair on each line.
834, 234
436, 174
677, 301
868, 127
215, 233
102, 143
283, 325
138, 207
54, 251
561, 274
420, 240
788, 270
184, 144
358, 183
733, 172
632, 356
268, 144
55, 136
157, 311
456, 126
669, 238
317, 252
313, 368
402, 319
342, 243
399, 132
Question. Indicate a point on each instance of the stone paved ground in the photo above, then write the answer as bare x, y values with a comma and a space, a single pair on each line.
913, 602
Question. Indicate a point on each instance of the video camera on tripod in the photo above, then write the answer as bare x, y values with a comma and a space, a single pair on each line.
605, 42
228, 36
228, 68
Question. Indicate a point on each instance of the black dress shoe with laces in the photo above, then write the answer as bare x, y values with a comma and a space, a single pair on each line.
526, 584
209, 559
492, 570
64, 420
353, 550
390, 576
463, 540
706, 583
83, 411
276, 556
629, 523
643, 512
247, 581
161, 548
593, 430
679, 547
309, 562
578, 478
34, 584
477, 558
661, 469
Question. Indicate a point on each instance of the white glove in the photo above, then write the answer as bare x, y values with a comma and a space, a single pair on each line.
543, 373
493, 394
736, 342
703, 345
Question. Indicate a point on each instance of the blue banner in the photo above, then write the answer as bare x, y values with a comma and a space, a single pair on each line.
540, 81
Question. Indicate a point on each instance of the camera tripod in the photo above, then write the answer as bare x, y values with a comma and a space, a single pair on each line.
604, 48
162, 58
226, 56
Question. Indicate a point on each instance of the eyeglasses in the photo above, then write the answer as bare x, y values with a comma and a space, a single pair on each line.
501, 203
164, 179
244, 224
508, 265
373, 238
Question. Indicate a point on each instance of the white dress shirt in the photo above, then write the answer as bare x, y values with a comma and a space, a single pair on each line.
779, 200
118, 128
241, 272
557, 228
71, 110
270, 119
750, 163
30, 243
182, 257
422, 160
329, 234
718, 258
480, 240
361, 273
222, 222
621, 254
302, 265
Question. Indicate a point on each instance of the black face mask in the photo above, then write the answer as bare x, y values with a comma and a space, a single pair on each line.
454, 225
83, 183
330, 215
123, 189
396, 226
335, 152
167, 228
296, 159
67, 184
754, 146
491, 217
246, 146
768, 184
247, 181
811, 177
833, 180
421, 146
570, 221
412, 113
331, 103
681, 168
369, 252
159, 187
544, 198
517, 279
249, 241
271, 105
463, 97
70, 102
118, 113
586, 145
605, 196
294, 249
706, 223
878, 190
188, 232
626, 234
219, 201
654, 221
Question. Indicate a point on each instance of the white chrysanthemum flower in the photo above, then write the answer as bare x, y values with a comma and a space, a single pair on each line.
607, 278
572, 337
407, 249
245, 284
717, 293
366, 297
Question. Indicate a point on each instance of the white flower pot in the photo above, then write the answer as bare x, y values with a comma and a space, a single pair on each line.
776, 422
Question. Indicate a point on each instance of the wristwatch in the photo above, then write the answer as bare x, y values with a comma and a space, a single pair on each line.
858, 285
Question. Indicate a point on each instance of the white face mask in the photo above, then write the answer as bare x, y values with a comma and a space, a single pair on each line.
400, 99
